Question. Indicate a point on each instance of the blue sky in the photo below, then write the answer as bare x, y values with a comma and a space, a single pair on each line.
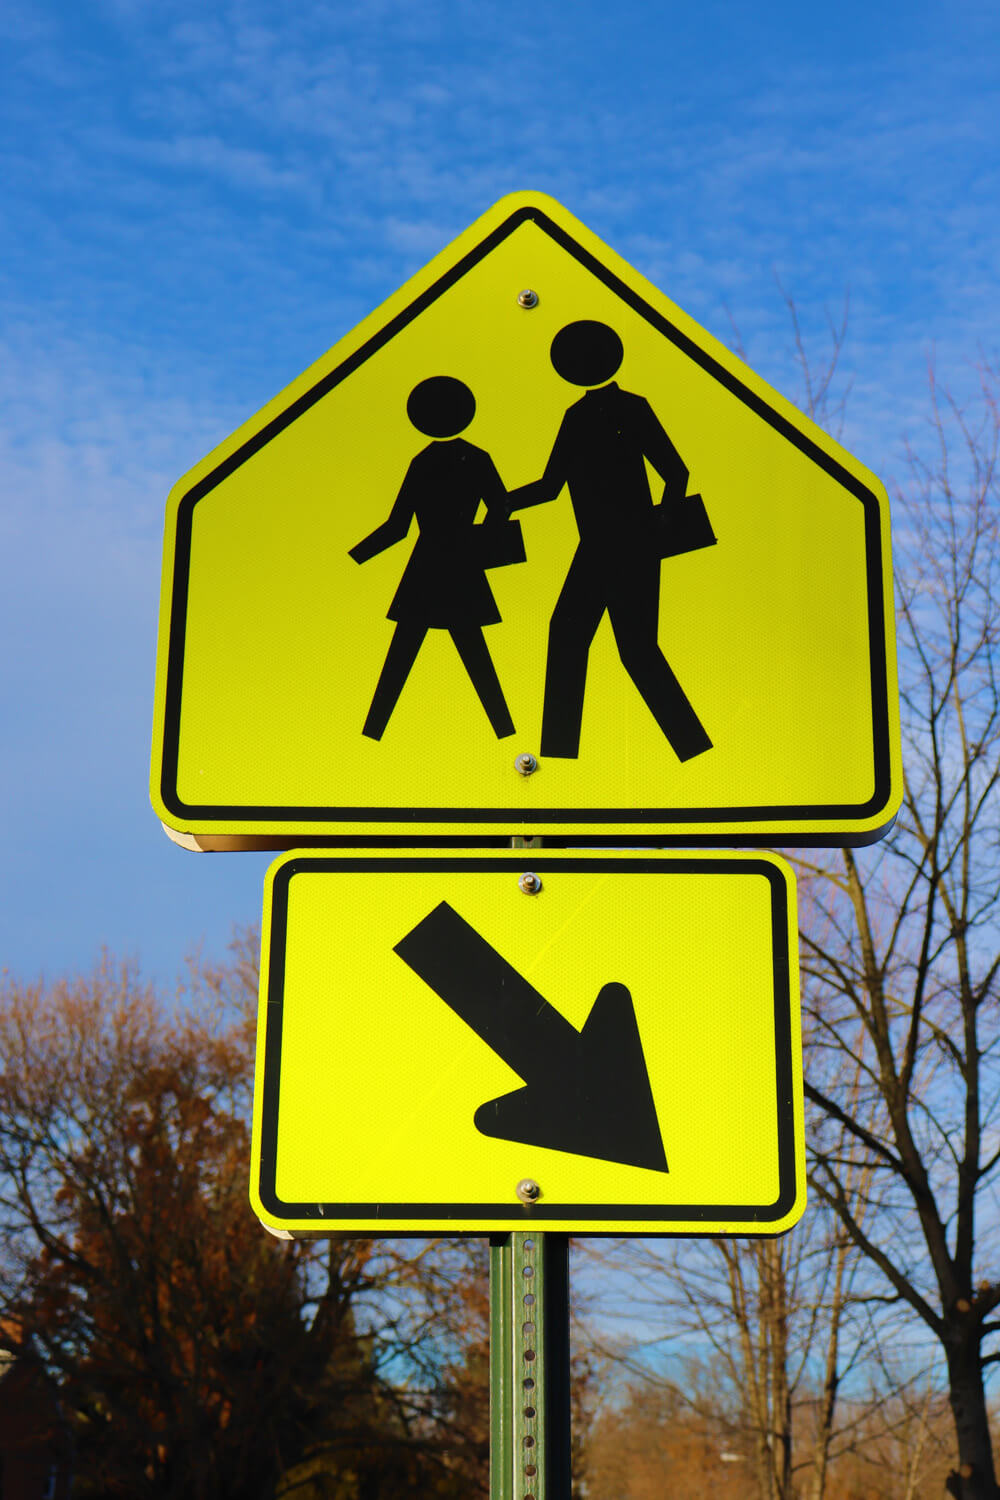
198, 202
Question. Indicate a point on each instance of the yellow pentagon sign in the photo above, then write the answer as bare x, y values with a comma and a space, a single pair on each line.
440, 1051
527, 516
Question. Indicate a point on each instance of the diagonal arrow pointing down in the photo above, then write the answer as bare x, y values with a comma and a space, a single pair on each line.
586, 1091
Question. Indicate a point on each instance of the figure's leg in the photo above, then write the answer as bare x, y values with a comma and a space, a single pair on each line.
574, 623
635, 620
402, 653
478, 662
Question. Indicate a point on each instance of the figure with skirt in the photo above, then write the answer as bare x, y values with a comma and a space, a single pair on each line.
444, 584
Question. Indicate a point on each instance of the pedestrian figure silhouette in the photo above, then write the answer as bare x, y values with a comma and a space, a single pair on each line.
600, 452
444, 584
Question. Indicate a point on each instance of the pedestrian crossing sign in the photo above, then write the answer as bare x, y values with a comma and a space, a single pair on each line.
527, 552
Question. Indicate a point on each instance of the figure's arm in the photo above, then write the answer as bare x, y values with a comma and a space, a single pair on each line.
661, 452
392, 530
491, 490
539, 491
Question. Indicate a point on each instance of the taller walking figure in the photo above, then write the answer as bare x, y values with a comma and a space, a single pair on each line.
600, 452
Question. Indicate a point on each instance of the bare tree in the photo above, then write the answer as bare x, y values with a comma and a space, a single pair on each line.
902, 943
779, 1323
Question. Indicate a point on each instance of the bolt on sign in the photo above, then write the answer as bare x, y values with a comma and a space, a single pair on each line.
527, 551
445, 1046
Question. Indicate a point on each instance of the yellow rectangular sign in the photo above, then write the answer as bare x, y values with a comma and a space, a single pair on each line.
570, 1041
528, 551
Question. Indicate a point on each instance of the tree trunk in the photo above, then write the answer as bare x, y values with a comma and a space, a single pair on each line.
975, 1478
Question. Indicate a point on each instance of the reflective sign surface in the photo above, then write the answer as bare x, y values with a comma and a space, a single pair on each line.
528, 507
626, 1037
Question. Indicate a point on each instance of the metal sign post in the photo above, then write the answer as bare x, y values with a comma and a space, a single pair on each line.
529, 1367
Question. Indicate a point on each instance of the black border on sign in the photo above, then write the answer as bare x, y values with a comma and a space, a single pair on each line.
540, 819
435, 1217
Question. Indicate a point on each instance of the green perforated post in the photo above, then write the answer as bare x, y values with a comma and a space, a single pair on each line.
529, 1367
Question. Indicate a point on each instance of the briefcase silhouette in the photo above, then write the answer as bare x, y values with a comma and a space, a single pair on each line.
682, 526
501, 543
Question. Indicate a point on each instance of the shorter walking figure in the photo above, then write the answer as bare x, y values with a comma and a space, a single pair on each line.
444, 584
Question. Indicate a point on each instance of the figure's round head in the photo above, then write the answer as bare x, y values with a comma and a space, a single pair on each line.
586, 353
441, 406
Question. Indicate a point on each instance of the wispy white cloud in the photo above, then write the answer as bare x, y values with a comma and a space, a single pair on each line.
21, 23
255, 169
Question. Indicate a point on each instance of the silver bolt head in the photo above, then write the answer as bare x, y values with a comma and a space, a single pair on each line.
530, 883
525, 764
527, 298
528, 1190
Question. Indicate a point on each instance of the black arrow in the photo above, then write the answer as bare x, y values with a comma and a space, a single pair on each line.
586, 1091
